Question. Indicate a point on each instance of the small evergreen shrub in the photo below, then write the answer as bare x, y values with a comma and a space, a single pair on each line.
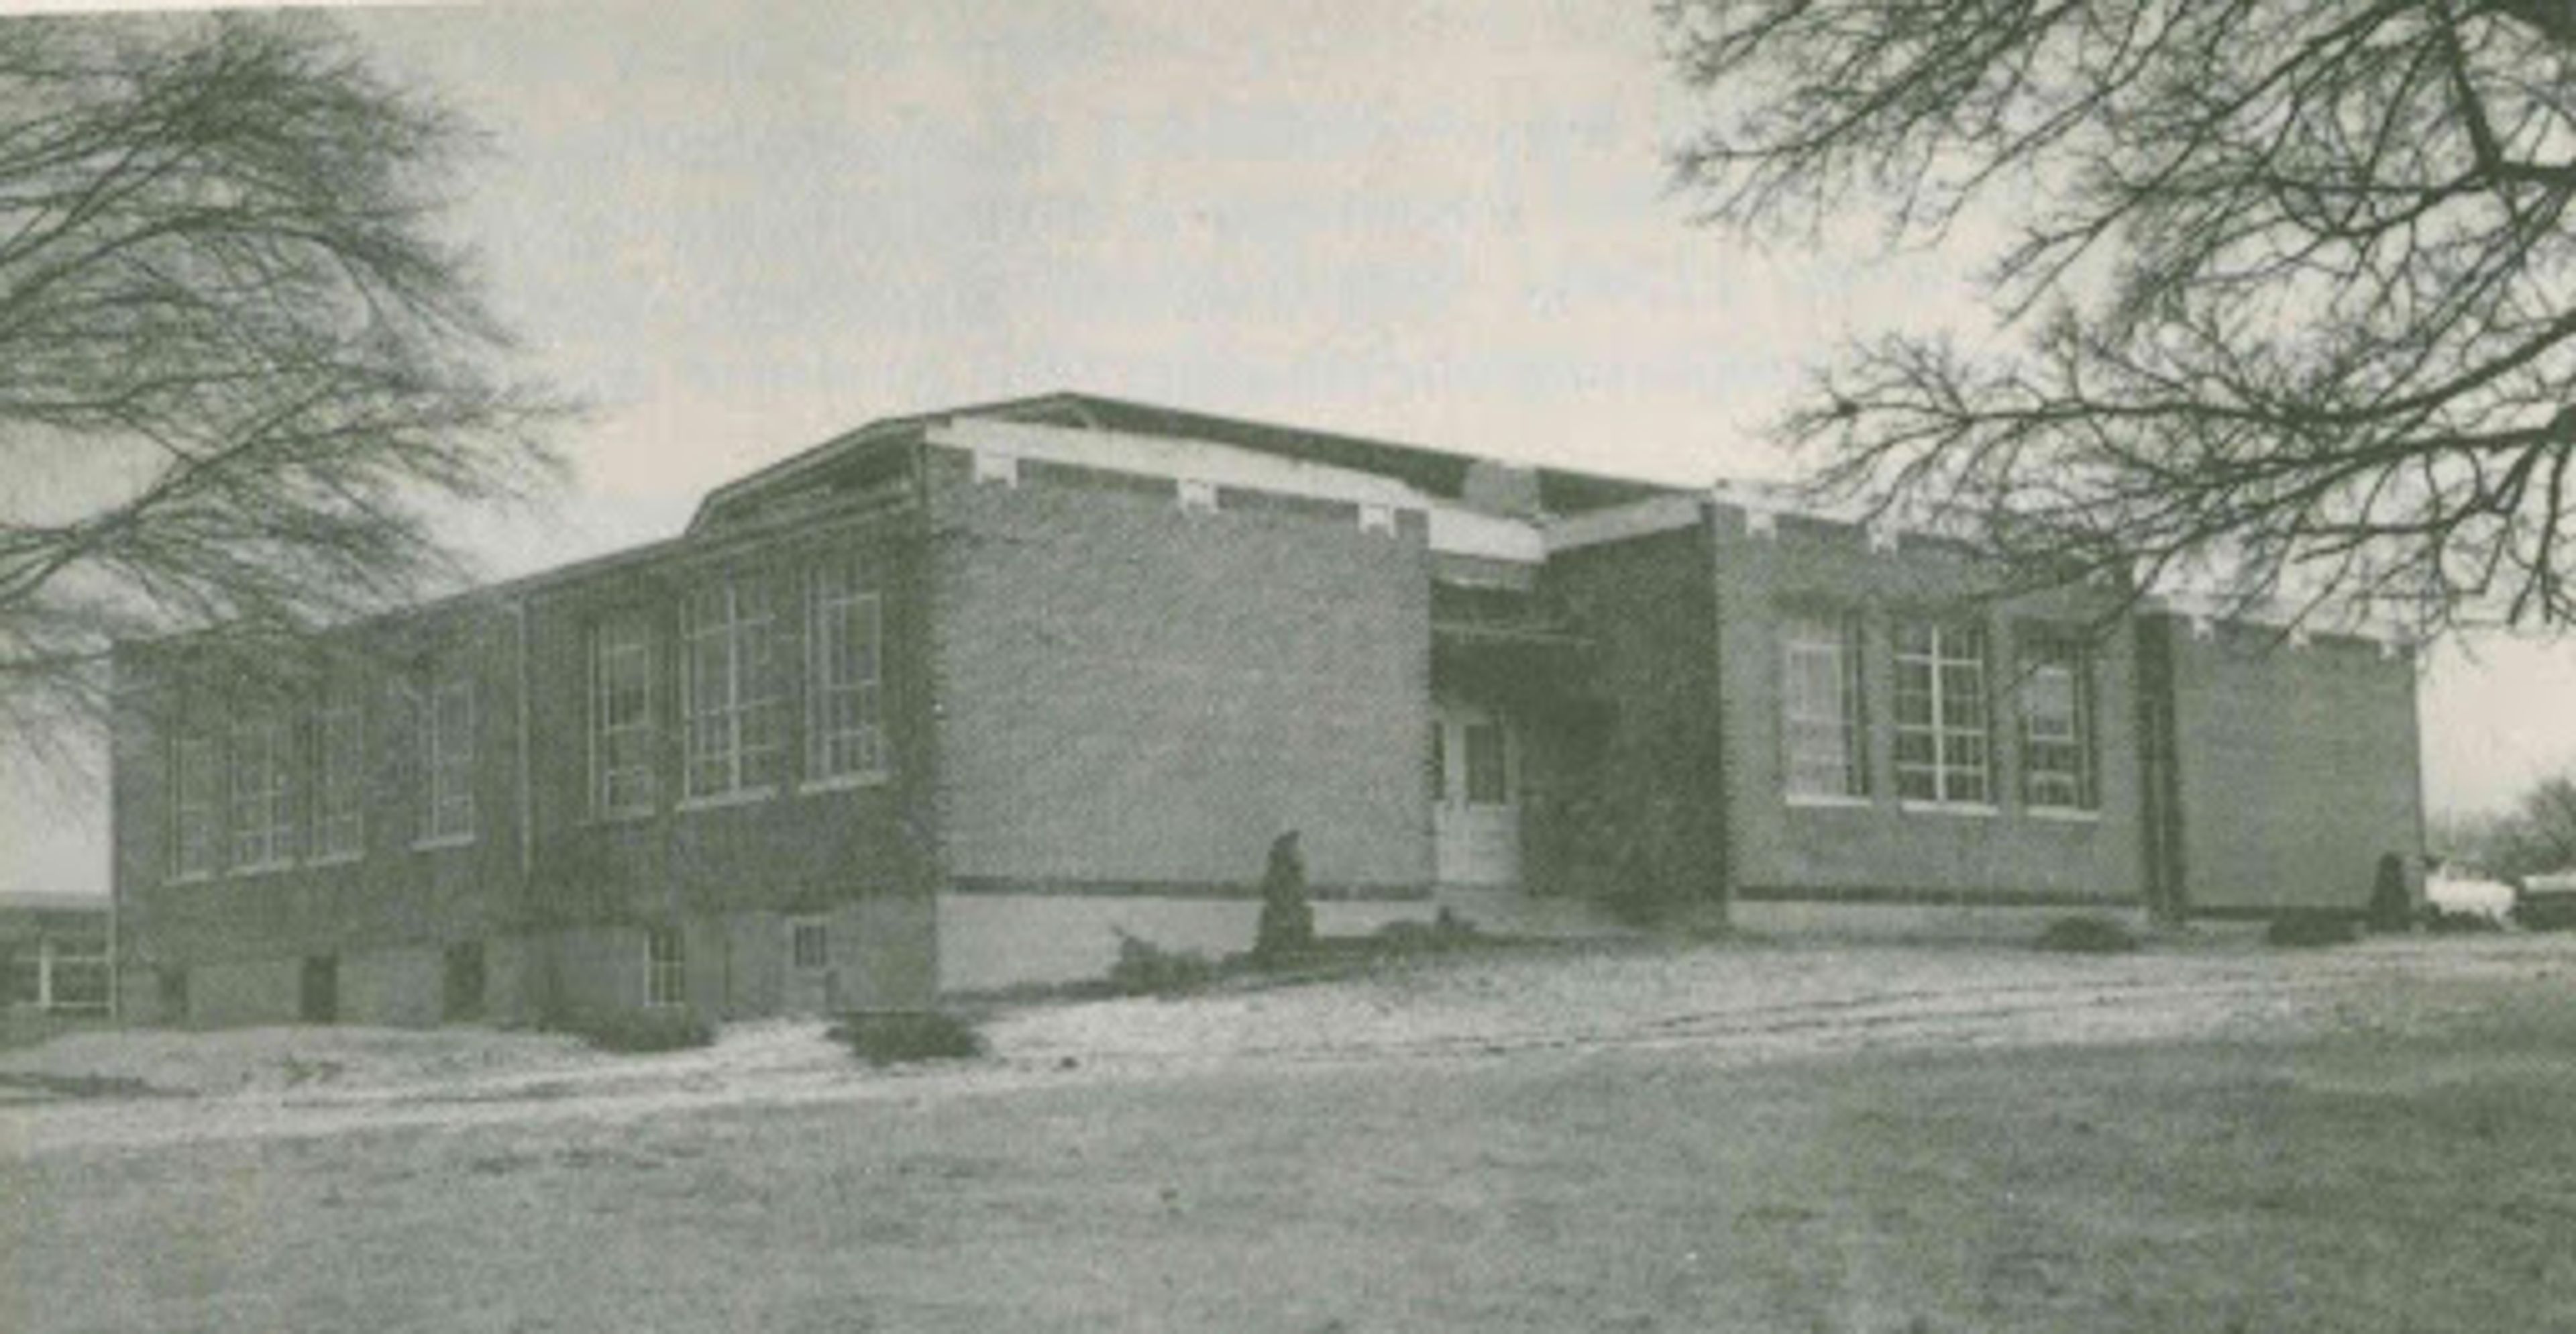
2312, 930
638, 1031
904, 1037
1147, 969
2090, 934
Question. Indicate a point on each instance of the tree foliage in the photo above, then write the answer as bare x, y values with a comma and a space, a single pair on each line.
237, 362
2536, 837
2294, 281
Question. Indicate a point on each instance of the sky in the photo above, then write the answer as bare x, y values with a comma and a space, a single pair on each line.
738, 229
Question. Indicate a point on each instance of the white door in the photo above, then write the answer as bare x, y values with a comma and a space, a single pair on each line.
1475, 810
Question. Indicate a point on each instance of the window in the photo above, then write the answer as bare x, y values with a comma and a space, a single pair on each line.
812, 945
731, 736
196, 817
58, 973
447, 760
621, 715
2057, 724
666, 968
263, 822
1489, 780
846, 694
1941, 741
339, 778
1820, 708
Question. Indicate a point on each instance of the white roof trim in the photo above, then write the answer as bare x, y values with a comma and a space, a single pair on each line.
1460, 532
2206, 609
1179, 459
1206, 464
1618, 523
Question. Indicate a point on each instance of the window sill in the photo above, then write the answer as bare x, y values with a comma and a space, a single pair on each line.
442, 841
1822, 802
250, 869
720, 800
847, 782
337, 859
191, 878
637, 816
2063, 814
1975, 809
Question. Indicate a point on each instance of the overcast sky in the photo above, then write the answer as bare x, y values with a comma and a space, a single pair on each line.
738, 229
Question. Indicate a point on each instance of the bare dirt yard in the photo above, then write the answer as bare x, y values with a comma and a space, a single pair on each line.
1651, 1136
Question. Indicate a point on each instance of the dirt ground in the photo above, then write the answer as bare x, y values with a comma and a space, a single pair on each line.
1721, 1137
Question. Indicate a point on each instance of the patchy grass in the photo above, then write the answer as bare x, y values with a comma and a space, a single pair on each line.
2403, 1157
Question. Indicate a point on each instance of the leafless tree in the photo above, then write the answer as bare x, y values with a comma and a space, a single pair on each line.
2294, 279
237, 363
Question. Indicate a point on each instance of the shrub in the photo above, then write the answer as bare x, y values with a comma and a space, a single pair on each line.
644, 1031
2554, 912
902, 1037
2444, 922
2309, 930
1147, 969
1448, 931
2088, 935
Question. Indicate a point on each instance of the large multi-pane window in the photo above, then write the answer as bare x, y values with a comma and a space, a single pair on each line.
263, 816
447, 759
731, 729
196, 809
845, 681
1820, 708
339, 777
621, 714
666, 967
1943, 750
2057, 724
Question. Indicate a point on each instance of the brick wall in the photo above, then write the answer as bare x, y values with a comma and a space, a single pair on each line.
1631, 798
800, 848
2296, 767
1133, 695
1881, 848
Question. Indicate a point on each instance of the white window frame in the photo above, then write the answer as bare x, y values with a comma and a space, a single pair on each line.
1955, 741
845, 697
666, 972
196, 806
735, 734
2057, 767
340, 779
1826, 645
621, 781
262, 820
447, 763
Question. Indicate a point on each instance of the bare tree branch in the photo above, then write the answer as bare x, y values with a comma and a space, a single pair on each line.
223, 298
2294, 279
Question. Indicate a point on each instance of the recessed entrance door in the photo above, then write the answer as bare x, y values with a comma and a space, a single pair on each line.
1475, 790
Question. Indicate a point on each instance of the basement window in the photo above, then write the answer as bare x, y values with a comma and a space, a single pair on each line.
666, 968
